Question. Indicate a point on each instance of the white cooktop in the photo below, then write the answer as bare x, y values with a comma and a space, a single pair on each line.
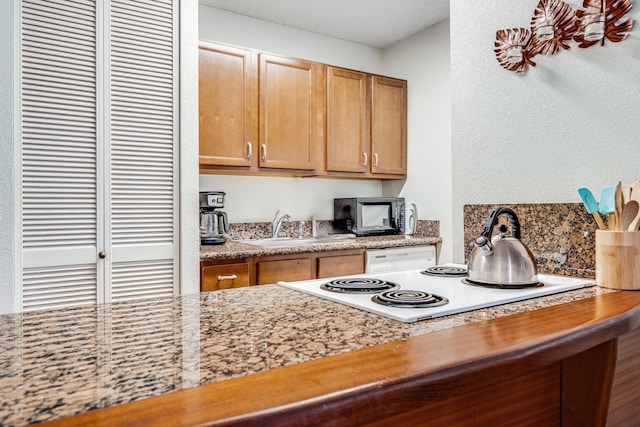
462, 297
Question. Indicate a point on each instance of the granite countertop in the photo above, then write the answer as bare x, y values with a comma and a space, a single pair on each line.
235, 250
63, 362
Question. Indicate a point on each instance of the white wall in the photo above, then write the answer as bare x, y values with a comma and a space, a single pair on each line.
189, 201
423, 60
569, 122
6, 157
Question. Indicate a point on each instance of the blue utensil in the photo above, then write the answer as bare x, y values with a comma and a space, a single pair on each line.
608, 204
591, 205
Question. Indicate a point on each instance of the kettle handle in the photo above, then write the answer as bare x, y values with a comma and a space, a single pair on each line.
487, 230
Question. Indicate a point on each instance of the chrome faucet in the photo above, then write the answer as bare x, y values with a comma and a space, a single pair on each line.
277, 223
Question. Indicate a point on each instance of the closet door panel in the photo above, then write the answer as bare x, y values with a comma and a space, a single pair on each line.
59, 99
142, 144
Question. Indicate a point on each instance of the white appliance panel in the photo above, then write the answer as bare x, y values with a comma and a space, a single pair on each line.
462, 297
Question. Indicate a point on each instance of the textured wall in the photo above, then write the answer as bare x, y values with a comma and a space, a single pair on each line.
571, 121
423, 59
6, 157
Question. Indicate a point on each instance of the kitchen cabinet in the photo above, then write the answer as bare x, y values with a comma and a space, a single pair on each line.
290, 118
366, 124
308, 266
268, 114
269, 270
348, 142
218, 276
339, 264
388, 126
259, 113
228, 110
224, 274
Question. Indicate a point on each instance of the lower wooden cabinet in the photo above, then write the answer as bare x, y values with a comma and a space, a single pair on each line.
217, 275
340, 265
214, 277
272, 271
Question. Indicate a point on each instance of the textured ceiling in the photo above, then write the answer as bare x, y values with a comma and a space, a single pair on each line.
376, 23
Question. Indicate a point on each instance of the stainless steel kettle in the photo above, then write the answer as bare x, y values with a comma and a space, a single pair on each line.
502, 260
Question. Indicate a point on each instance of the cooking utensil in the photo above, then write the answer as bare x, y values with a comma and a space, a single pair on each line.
591, 205
626, 193
629, 214
503, 260
635, 196
617, 199
607, 204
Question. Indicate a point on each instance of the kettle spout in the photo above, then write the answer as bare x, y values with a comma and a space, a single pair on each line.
484, 245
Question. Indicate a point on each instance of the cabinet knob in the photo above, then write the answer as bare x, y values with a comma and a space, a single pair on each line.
375, 160
249, 151
365, 159
102, 254
229, 277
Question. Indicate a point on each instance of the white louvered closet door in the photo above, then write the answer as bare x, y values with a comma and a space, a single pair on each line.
98, 126
143, 129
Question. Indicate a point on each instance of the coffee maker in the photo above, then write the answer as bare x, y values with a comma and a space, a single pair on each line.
213, 222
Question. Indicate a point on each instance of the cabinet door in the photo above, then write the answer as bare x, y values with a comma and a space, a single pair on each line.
268, 272
388, 126
288, 113
225, 276
347, 124
227, 102
340, 265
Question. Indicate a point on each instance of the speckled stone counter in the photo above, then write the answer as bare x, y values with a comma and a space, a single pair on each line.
58, 363
235, 250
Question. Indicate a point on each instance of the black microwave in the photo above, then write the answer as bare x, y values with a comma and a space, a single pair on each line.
368, 216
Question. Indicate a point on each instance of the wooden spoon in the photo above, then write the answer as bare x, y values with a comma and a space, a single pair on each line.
635, 195
617, 199
629, 214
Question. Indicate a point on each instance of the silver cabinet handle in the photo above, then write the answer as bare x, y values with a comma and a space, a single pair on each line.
263, 148
230, 277
365, 159
249, 150
375, 160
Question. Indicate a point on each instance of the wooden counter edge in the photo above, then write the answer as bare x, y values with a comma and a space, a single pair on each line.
352, 386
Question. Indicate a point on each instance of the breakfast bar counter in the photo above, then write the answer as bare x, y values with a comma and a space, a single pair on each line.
270, 355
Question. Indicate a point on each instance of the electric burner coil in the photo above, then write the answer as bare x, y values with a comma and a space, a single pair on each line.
407, 298
359, 285
445, 271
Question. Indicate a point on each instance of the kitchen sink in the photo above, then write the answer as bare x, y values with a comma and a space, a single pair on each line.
283, 242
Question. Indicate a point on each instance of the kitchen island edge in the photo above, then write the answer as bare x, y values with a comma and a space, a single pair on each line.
531, 361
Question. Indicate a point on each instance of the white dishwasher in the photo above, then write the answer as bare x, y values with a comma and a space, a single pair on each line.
399, 259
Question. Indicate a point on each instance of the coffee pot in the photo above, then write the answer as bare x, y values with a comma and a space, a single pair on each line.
502, 261
213, 222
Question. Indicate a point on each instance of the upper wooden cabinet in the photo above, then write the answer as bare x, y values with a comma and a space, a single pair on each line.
228, 109
348, 148
366, 124
263, 113
258, 111
388, 126
289, 119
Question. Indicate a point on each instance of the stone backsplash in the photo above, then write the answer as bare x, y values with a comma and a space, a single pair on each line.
561, 236
261, 230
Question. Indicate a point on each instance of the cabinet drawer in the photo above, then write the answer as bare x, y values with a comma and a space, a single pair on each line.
340, 265
287, 270
216, 277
